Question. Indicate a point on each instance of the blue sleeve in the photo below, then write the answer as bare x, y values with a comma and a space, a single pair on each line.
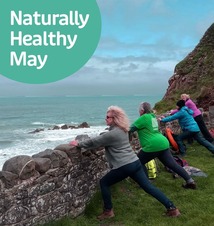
177, 115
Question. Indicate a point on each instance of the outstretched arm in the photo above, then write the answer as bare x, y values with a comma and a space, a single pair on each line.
172, 117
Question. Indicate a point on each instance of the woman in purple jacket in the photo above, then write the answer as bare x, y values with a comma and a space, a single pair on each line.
197, 116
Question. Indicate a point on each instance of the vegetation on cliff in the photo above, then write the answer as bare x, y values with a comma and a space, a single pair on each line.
193, 75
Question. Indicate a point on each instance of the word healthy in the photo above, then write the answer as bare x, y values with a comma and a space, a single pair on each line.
45, 38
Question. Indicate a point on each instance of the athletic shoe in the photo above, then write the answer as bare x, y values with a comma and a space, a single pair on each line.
174, 212
191, 185
106, 214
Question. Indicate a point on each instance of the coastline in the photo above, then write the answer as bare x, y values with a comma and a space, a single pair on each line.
21, 115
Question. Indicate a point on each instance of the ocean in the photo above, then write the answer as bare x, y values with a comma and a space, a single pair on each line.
19, 116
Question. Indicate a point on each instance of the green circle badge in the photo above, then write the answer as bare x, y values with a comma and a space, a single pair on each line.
46, 41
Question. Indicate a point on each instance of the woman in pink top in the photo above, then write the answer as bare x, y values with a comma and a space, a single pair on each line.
197, 116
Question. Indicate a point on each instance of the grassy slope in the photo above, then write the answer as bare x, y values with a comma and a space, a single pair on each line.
133, 207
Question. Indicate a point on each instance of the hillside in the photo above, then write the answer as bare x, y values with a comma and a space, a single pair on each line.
194, 75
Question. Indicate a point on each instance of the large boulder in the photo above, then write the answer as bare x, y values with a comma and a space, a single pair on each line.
9, 179
72, 152
22, 165
42, 164
58, 158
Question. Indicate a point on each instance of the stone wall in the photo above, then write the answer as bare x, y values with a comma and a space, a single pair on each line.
49, 185
211, 117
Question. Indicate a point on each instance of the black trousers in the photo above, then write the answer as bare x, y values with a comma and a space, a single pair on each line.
202, 126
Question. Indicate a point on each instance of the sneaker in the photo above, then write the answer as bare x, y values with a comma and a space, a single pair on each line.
106, 214
191, 185
174, 212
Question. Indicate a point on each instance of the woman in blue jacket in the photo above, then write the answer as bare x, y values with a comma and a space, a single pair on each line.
189, 127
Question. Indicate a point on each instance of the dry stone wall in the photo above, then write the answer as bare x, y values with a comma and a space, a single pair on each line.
49, 185
210, 120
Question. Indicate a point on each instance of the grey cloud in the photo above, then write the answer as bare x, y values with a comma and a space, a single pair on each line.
91, 80
130, 70
164, 47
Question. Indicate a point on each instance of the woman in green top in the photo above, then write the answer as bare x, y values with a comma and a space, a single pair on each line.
155, 145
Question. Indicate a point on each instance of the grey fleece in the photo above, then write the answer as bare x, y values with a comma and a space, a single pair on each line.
118, 151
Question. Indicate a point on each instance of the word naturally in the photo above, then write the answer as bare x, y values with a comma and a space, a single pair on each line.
72, 18
53, 38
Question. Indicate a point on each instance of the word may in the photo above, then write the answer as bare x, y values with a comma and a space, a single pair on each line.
30, 60
73, 18
46, 39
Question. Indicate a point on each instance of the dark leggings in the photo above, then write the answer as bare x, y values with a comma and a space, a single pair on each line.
136, 172
197, 136
200, 121
167, 159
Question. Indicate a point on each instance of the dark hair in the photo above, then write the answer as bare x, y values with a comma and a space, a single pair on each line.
180, 103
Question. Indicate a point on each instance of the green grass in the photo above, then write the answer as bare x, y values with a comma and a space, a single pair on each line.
134, 207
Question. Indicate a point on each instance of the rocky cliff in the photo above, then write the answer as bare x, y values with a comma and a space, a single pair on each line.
194, 75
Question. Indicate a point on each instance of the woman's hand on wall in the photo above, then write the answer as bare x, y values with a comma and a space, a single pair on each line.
73, 143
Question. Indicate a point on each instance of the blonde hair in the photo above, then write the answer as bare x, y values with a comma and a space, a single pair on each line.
120, 117
184, 95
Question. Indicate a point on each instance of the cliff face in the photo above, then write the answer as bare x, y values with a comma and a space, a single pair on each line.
194, 75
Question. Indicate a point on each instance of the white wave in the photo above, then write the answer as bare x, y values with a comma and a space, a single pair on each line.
47, 139
38, 123
42, 124
52, 124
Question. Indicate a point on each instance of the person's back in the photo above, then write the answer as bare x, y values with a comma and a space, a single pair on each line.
185, 119
148, 132
118, 149
191, 105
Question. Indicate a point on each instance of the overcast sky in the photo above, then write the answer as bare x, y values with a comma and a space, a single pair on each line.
141, 43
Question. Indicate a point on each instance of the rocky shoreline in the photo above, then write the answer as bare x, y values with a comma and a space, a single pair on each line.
65, 126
